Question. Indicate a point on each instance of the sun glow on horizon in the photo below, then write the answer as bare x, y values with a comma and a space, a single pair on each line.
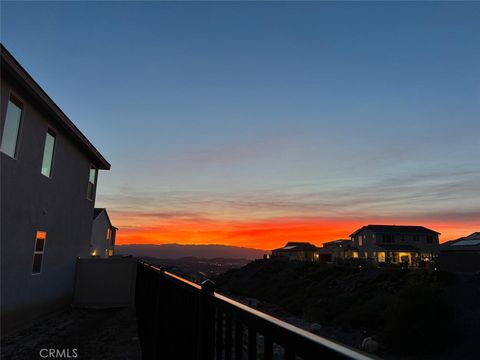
264, 234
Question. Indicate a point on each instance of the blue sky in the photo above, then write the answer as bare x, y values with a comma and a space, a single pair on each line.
267, 110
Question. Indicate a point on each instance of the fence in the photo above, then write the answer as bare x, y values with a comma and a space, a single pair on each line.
178, 319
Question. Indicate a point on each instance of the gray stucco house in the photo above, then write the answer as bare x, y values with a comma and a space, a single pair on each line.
49, 173
103, 234
396, 244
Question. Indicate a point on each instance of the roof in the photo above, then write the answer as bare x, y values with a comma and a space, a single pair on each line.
12, 67
398, 247
339, 242
466, 243
297, 246
397, 229
98, 211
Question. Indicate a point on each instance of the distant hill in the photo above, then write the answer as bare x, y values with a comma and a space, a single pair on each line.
176, 251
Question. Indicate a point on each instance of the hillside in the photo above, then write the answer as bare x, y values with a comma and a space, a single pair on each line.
175, 251
411, 313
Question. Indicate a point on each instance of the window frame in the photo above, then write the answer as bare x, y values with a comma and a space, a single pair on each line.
53, 133
94, 187
18, 100
35, 252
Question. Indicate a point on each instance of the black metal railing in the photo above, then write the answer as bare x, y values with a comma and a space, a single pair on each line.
178, 319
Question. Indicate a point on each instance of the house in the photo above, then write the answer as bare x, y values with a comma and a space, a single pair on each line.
296, 251
103, 234
340, 250
49, 173
395, 244
461, 255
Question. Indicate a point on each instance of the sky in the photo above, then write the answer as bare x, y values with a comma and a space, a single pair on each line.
253, 124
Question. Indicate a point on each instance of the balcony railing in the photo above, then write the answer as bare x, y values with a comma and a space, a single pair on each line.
178, 319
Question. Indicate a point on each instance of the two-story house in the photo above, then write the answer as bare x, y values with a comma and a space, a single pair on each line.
396, 244
49, 174
103, 234
296, 251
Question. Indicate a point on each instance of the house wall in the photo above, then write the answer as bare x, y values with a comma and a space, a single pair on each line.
371, 242
368, 243
32, 202
99, 242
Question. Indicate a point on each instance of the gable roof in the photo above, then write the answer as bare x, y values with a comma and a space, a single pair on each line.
98, 211
22, 78
297, 246
397, 229
470, 242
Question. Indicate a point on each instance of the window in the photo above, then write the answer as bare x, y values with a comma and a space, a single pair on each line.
92, 179
388, 238
110, 252
48, 154
429, 239
360, 241
11, 127
109, 233
415, 238
38, 252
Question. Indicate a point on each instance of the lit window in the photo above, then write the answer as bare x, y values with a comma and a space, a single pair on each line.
360, 240
109, 233
11, 127
110, 252
38, 252
48, 154
92, 179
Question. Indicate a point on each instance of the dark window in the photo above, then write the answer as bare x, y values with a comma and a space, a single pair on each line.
11, 127
38, 252
415, 238
429, 239
92, 179
388, 238
48, 154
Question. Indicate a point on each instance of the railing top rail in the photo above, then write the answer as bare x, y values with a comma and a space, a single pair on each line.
268, 320
323, 342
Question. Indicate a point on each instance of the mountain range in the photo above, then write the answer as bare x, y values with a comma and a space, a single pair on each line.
174, 251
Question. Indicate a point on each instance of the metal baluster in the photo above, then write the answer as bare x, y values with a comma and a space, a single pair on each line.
228, 337
238, 341
268, 347
252, 344
219, 336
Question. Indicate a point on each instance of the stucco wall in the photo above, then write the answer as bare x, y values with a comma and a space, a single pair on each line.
32, 202
99, 242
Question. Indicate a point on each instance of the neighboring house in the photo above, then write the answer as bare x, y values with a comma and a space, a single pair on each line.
461, 255
407, 245
103, 234
340, 250
296, 251
49, 173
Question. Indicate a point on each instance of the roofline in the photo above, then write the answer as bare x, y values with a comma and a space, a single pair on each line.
12, 66
106, 214
367, 227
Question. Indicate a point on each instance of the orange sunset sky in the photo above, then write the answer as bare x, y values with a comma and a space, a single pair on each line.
292, 123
